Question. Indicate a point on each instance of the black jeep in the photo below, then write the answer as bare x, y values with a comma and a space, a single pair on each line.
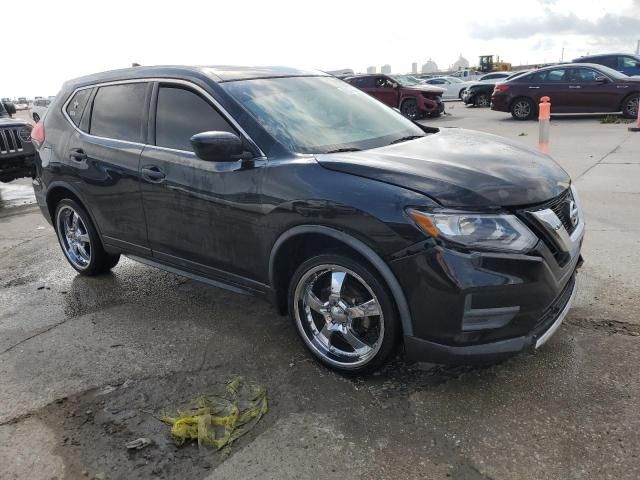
16, 151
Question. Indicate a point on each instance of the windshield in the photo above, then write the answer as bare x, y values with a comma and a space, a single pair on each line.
454, 80
406, 80
612, 73
320, 114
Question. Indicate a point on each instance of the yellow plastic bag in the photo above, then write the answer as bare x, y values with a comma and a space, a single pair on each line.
219, 420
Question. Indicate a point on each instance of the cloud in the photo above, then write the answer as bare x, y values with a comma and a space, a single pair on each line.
610, 25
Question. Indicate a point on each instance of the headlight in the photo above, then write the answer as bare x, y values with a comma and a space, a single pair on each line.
485, 231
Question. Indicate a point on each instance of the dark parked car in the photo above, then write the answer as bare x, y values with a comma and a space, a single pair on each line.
479, 94
291, 185
413, 98
16, 151
626, 63
573, 88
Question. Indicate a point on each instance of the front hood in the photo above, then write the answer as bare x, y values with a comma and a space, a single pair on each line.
459, 168
426, 88
12, 122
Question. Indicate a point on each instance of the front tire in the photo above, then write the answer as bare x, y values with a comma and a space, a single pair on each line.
409, 109
36, 117
79, 239
344, 313
523, 108
630, 106
482, 100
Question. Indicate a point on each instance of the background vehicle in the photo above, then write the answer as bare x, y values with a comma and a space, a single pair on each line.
479, 93
573, 88
453, 86
414, 99
22, 104
16, 151
627, 63
467, 75
291, 185
39, 108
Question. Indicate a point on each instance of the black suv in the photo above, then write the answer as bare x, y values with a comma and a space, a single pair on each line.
16, 151
368, 229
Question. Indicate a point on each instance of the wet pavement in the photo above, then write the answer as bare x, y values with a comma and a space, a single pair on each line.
87, 363
16, 193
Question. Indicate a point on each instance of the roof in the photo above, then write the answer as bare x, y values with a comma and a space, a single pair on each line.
606, 55
218, 73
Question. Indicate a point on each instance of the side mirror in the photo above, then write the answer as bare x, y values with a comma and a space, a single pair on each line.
395, 85
602, 80
10, 108
217, 146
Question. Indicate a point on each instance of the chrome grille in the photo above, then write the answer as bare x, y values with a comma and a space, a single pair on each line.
560, 206
10, 141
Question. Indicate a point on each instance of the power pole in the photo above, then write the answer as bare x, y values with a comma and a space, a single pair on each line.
638, 48
562, 55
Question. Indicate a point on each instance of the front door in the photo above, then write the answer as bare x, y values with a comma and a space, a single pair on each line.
553, 84
201, 215
386, 90
592, 92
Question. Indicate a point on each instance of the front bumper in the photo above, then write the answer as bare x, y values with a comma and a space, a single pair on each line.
421, 350
475, 307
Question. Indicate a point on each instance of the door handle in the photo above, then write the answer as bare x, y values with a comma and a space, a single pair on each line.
575, 86
77, 154
534, 87
153, 173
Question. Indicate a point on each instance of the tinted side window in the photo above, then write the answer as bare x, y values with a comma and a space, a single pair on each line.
180, 114
362, 82
77, 104
627, 62
608, 61
437, 81
583, 75
118, 111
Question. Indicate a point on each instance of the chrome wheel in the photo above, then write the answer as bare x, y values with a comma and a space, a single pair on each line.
338, 316
74, 237
631, 108
522, 109
483, 101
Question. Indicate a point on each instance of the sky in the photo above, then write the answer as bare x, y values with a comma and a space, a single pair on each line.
63, 39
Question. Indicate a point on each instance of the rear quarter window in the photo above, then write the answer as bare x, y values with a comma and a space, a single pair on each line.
76, 105
118, 112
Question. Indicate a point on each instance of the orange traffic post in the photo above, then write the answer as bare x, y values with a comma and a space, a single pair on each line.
637, 127
544, 117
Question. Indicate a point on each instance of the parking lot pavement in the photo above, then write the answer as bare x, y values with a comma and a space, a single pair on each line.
84, 360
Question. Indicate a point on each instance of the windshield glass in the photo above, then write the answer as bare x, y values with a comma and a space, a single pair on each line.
406, 80
454, 80
612, 73
320, 114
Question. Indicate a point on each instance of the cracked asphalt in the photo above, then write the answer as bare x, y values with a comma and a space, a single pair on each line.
84, 362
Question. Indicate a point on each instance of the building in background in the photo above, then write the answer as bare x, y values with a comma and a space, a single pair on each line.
371, 69
460, 64
386, 68
414, 67
429, 67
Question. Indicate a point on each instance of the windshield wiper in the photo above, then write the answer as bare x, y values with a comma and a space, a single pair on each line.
404, 139
346, 149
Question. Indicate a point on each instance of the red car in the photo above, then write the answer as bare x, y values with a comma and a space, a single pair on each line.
414, 99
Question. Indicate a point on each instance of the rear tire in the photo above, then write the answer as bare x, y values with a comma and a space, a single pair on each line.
80, 241
523, 109
344, 313
630, 106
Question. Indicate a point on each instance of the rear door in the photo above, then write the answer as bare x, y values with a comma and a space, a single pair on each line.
201, 215
104, 153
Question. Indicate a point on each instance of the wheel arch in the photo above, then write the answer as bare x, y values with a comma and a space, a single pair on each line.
627, 97
60, 190
281, 266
